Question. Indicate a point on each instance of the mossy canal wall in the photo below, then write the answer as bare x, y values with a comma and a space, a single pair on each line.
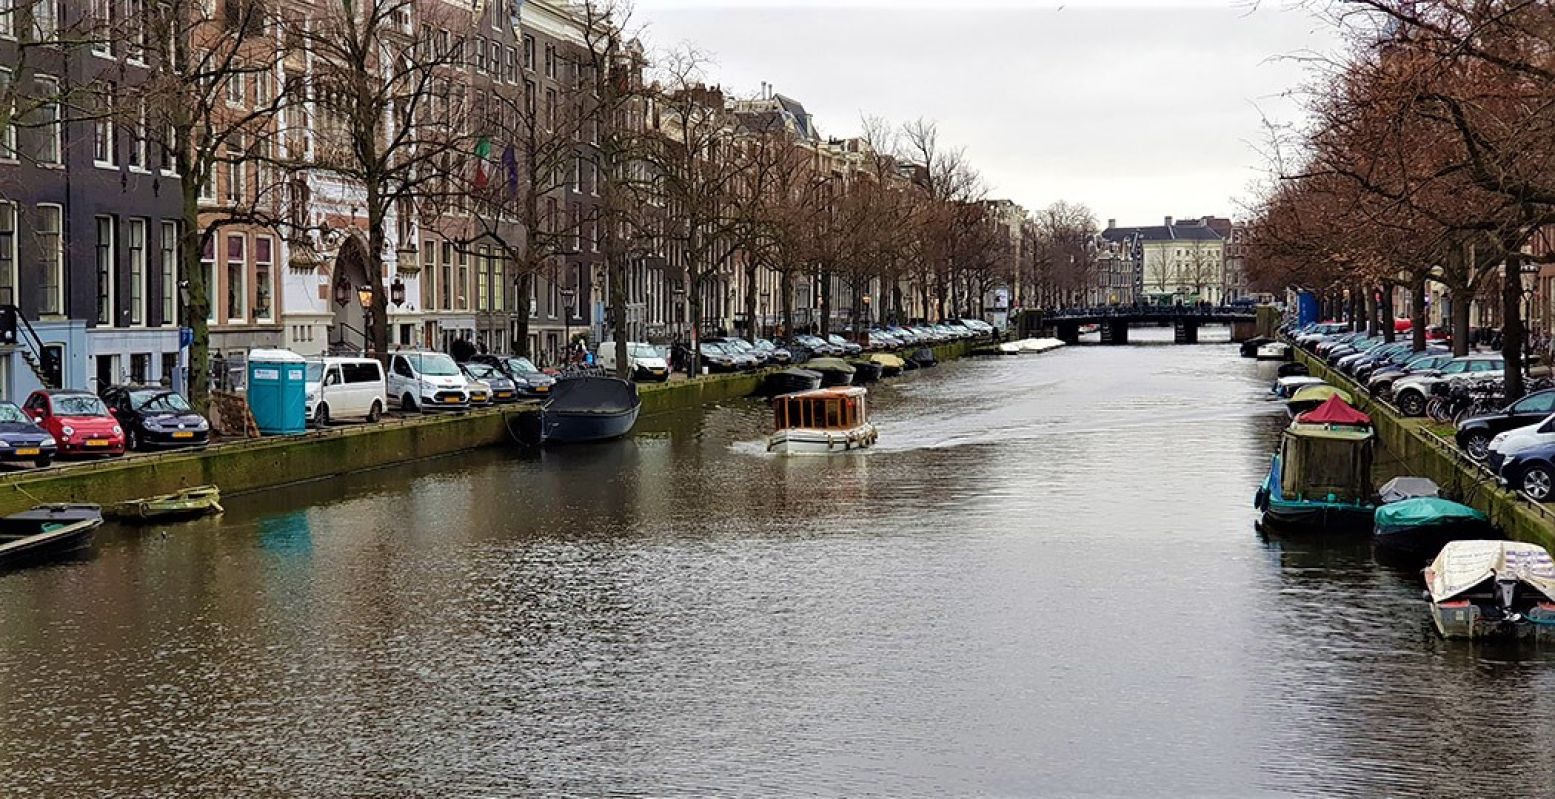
256, 464
1426, 454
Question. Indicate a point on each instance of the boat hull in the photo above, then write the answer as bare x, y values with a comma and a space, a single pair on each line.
1464, 619
834, 377
1299, 515
806, 441
790, 381
566, 427
71, 535
184, 505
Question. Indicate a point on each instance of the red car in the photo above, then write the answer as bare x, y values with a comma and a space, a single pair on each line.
78, 420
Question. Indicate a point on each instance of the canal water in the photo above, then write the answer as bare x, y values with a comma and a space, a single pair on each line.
1046, 581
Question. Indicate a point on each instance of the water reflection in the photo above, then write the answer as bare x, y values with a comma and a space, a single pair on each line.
1044, 581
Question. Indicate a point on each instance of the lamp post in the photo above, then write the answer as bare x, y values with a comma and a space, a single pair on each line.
679, 294
569, 297
766, 294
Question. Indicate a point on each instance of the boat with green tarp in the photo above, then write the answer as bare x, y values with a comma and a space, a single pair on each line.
186, 504
1320, 479
1422, 525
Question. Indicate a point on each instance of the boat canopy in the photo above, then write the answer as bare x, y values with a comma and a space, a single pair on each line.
1318, 394
592, 395
828, 365
1426, 511
1462, 565
1405, 487
1334, 411
1320, 462
841, 408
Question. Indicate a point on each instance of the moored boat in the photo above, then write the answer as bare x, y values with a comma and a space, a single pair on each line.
1492, 589
1321, 477
890, 365
833, 371
1292, 369
1421, 526
865, 371
186, 504
1310, 397
1284, 387
582, 409
924, 357
821, 422
789, 381
1274, 351
1400, 488
1249, 348
47, 532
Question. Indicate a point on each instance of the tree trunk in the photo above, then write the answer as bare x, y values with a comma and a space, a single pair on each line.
525, 286
1460, 320
1417, 315
1357, 309
1372, 326
378, 325
694, 310
1512, 325
197, 311
616, 264
786, 287
752, 329
1385, 307
824, 326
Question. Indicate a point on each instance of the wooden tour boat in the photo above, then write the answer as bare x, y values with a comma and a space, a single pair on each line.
186, 504
821, 422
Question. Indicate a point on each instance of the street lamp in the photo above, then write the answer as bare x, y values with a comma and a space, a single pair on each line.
342, 291
766, 294
569, 296
397, 292
868, 318
679, 293
364, 295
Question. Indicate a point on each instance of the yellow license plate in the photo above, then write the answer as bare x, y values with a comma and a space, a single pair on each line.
504, 394
97, 442
183, 434
29, 451
542, 388
451, 400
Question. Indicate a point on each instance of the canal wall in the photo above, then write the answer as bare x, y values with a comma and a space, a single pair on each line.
1426, 454
255, 464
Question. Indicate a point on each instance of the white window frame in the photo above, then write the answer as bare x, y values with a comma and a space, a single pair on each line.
168, 241
135, 40
105, 134
208, 263
138, 151
136, 231
227, 263
268, 283
101, 14
8, 136
235, 88
234, 167
45, 26
105, 272
8, 271
8, 18
52, 264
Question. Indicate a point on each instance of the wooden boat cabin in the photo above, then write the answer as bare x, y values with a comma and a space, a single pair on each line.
823, 420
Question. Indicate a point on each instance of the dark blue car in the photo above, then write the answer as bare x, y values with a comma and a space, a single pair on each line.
22, 440
1531, 471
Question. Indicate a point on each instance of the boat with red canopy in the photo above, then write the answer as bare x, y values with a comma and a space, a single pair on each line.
1321, 477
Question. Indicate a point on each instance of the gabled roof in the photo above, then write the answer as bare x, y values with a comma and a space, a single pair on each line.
1194, 232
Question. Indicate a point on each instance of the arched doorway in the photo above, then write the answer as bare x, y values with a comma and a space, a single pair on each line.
349, 326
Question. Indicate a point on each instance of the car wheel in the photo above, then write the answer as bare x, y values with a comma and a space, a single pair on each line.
376, 412
321, 415
408, 404
43, 463
1411, 403
1477, 447
1539, 482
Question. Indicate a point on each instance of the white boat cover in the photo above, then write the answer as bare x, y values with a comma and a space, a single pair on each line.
1288, 385
1277, 348
1465, 564
1010, 347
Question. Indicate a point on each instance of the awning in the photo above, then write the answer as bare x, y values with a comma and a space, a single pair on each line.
1333, 411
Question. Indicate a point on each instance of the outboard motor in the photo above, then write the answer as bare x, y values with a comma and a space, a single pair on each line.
1506, 591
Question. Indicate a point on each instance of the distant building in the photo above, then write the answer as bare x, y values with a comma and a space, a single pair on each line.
1180, 262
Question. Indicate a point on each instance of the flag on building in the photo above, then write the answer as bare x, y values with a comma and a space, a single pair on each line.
510, 163
482, 152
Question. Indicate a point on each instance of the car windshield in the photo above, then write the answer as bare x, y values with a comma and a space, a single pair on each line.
478, 370
713, 346
521, 366
434, 364
79, 405
158, 400
315, 372
10, 413
641, 351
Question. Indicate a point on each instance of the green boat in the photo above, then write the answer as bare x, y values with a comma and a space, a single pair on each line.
1321, 477
1423, 525
186, 504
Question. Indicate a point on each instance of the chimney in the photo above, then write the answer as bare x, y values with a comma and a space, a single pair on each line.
1168, 221
1112, 223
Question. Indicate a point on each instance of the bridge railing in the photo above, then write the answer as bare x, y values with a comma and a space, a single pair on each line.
1229, 312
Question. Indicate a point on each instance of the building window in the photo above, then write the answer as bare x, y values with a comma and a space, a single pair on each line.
235, 89
429, 271
135, 37
135, 245
104, 147
483, 278
263, 81
237, 265
49, 146
8, 18
140, 367
51, 298
550, 61
208, 267
169, 242
234, 165
45, 20
8, 135
464, 281
102, 26
529, 53
7, 253
137, 153
105, 270
498, 283
445, 285
510, 73
264, 270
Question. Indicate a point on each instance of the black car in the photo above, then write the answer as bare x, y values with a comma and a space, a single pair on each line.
154, 417
1474, 433
527, 379
22, 440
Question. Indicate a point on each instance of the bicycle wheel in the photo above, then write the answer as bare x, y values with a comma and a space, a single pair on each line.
1438, 410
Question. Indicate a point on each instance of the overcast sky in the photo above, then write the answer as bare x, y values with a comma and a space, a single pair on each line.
1138, 109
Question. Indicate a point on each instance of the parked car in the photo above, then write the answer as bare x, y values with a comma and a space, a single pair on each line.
345, 388
719, 357
775, 354
479, 391
1475, 433
848, 347
78, 420
647, 363
1380, 384
746, 348
1531, 470
527, 378
23, 440
817, 346
502, 388
154, 417
1410, 393
420, 381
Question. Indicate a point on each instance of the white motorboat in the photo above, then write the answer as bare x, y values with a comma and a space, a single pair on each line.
824, 421
1274, 351
1039, 344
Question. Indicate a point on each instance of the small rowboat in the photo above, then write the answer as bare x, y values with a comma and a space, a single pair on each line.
47, 532
186, 504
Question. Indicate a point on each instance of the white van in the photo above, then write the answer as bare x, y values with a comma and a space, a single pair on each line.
420, 380
346, 388
647, 363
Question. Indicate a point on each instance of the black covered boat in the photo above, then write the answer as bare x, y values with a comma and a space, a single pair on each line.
1292, 369
589, 409
865, 372
923, 357
791, 381
47, 531
833, 371
1250, 346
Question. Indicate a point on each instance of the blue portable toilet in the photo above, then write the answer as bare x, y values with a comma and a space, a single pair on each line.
277, 391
